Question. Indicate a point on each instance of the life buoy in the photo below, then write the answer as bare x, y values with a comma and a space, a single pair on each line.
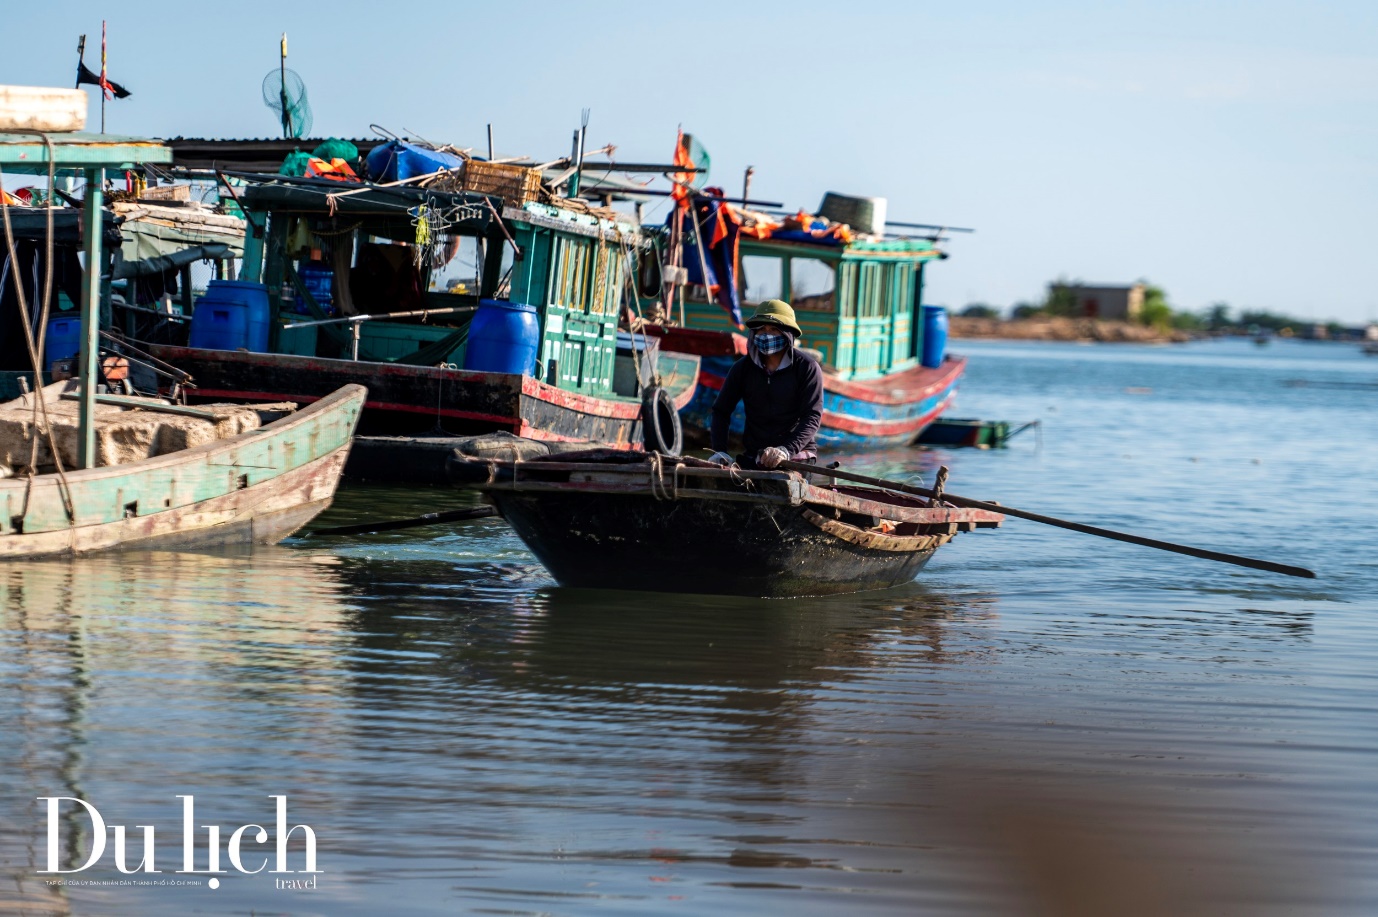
649, 281
660, 426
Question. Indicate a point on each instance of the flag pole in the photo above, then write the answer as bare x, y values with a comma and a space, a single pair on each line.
103, 77
282, 92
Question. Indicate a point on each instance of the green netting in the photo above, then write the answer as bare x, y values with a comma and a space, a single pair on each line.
295, 163
335, 148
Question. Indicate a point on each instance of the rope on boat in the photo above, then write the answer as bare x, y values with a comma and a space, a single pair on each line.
40, 404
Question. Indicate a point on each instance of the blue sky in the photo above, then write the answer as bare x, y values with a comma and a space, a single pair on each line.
1224, 150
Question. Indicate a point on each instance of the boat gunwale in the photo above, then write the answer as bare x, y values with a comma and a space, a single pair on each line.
297, 418
888, 505
618, 407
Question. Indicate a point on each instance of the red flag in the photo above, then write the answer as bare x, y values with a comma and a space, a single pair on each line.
105, 86
682, 179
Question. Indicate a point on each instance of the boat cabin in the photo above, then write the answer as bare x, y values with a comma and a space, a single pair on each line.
397, 275
858, 304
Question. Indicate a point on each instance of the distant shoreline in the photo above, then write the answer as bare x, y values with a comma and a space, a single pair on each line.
1063, 329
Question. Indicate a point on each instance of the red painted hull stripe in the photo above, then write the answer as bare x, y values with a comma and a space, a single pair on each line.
849, 389
884, 428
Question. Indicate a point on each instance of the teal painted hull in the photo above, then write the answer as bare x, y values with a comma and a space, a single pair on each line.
257, 487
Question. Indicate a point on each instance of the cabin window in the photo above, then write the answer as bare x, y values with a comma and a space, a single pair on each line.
812, 285
847, 288
607, 279
570, 276
462, 272
874, 295
903, 289
762, 278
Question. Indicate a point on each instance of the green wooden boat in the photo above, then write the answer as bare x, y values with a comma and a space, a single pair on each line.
257, 486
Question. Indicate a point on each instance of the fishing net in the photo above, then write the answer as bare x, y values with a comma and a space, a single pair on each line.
285, 93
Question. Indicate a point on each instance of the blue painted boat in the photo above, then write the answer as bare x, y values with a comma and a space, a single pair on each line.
859, 304
890, 411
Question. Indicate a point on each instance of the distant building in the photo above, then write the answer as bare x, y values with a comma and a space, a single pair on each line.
1116, 303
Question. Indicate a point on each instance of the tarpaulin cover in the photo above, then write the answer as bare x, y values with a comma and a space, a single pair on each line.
718, 225
398, 160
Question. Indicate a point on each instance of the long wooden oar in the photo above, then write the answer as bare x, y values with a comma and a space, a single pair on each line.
1285, 569
389, 525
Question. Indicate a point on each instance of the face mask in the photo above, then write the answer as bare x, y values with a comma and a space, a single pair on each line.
770, 343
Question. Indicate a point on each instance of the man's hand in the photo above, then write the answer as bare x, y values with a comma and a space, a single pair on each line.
771, 457
723, 459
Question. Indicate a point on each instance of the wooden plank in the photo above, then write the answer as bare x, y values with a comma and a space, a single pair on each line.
145, 404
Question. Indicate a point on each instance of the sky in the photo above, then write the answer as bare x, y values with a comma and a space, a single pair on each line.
1226, 151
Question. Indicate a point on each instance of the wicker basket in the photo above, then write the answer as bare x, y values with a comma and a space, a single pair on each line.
514, 184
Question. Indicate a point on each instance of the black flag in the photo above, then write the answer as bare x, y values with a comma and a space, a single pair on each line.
109, 87
84, 75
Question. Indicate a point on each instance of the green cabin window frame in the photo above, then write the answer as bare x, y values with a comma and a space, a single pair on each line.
582, 299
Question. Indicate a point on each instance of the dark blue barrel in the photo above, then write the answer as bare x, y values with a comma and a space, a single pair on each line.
64, 337
233, 315
503, 338
934, 335
319, 281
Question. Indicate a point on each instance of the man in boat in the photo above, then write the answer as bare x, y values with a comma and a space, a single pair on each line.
781, 388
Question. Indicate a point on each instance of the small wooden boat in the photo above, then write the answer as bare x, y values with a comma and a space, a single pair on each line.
106, 471
602, 519
256, 487
970, 432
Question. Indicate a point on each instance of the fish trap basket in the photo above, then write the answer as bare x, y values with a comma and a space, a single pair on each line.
516, 185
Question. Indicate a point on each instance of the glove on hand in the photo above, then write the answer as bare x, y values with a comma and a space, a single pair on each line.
722, 458
771, 457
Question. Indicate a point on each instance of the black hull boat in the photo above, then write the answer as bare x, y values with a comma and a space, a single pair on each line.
599, 519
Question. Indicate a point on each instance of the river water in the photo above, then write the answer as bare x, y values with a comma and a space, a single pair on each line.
1044, 723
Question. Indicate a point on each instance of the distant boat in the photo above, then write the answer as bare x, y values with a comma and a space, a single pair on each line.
1370, 348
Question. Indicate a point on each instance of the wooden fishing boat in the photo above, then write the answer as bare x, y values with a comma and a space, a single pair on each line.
349, 270
256, 487
598, 519
889, 410
859, 301
103, 471
970, 432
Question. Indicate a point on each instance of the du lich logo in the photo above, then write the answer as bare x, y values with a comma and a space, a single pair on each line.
235, 848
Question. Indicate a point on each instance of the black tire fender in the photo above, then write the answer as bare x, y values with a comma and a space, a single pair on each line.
660, 426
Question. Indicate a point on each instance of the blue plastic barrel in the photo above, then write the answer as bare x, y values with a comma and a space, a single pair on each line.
233, 315
64, 337
319, 281
219, 325
504, 337
934, 335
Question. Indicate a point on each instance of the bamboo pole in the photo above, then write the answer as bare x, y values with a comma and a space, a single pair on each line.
1204, 554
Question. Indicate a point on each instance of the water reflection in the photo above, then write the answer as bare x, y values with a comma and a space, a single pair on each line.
129, 678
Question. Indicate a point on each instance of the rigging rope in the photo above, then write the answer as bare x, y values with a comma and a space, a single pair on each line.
40, 403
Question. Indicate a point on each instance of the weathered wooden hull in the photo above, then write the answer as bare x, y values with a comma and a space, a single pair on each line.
600, 541
685, 526
889, 411
257, 487
416, 400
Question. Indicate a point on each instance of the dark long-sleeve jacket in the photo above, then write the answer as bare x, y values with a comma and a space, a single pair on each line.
783, 408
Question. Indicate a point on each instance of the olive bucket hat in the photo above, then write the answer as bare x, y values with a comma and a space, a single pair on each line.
775, 312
